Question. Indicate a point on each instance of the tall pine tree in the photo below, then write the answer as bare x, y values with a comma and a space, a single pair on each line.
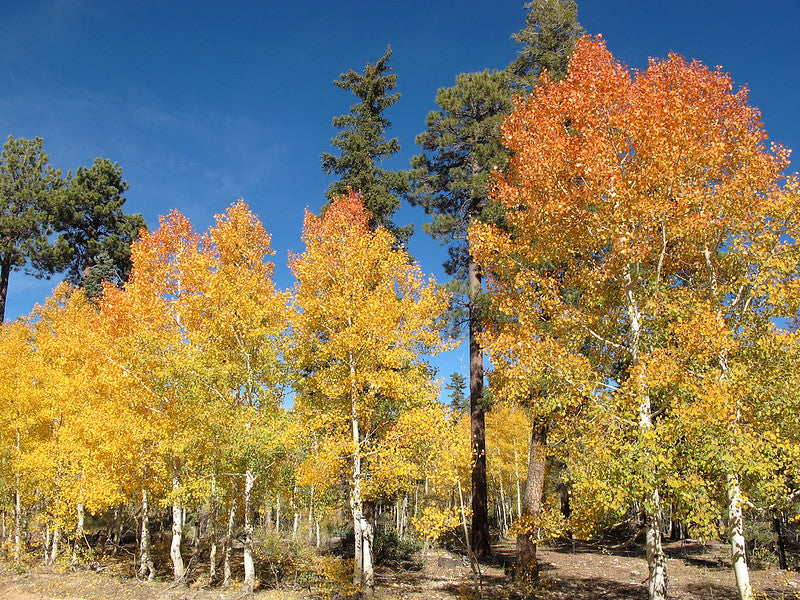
28, 199
363, 145
96, 235
450, 181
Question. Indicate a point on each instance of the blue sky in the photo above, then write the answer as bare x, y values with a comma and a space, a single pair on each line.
204, 102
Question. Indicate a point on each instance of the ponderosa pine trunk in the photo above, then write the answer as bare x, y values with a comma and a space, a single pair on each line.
738, 548
146, 568
178, 568
249, 568
527, 567
480, 504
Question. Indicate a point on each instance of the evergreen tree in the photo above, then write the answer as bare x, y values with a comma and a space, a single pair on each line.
457, 386
451, 178
96, 234
363, 145
28, 199
551, 29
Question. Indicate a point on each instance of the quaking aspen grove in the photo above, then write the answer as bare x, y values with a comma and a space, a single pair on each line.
652, 234
365, 316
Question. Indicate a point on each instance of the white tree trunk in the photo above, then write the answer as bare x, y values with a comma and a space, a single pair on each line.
212, 530
656, 559
226, 564
79, 533
177, 534
54, 547
736, 527
145, 560
249, 569
17, 514
17, 526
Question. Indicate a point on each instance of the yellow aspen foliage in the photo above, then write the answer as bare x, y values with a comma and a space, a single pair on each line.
365, 317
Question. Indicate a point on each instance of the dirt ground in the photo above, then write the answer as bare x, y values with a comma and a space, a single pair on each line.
579, 571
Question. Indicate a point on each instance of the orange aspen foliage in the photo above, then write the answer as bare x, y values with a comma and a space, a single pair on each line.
634, 198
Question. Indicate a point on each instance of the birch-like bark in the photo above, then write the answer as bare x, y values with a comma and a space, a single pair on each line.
226, 563
735, 519
736, 525
178, 568
54, 548
212, 530
516, 475
17, 514
17, 524
656, 559
146, 568
277, 512
79, 533
249, 568
363, 574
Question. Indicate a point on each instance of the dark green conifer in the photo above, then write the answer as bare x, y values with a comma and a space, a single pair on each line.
28, 206
450, 180
363, 145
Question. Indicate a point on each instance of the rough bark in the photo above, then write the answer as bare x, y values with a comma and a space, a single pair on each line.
527, 568
480, 504
146, 568
736, 528
5, 273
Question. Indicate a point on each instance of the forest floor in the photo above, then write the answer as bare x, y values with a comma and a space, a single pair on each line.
578, 571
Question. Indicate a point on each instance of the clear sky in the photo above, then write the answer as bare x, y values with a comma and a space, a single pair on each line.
202, 102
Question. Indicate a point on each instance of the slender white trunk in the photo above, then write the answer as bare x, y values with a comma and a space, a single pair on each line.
356, 506
277, 512
363, 574
146, 568
17, 513
249, 569
311, 515
212, 530
516, 475
177, 534
226, 564
656, 559
79, 533
54, 547
17, 525
736, 526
